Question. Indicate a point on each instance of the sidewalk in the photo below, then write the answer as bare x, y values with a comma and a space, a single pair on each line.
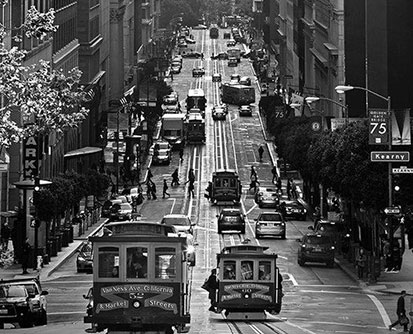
15, 270
387, 282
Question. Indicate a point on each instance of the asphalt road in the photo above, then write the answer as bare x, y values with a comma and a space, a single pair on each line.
317, 299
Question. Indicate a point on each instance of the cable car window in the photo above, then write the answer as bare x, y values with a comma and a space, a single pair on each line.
232, 183
226, 183
108, 260
165, 262
229, 270
264, 272
217, 182
137, 262
247, 270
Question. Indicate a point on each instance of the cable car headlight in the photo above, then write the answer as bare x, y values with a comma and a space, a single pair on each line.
136, 304
247, 296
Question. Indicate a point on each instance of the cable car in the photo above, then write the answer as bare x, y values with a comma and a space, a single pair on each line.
140, 279
249, 282
226, 187
195, 129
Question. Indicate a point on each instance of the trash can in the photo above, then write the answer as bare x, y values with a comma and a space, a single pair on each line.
65, 237
59, 241
53, 246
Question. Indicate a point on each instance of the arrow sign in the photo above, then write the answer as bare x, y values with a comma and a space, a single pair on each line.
392, 210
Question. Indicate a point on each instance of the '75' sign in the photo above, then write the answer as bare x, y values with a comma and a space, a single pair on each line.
379, 127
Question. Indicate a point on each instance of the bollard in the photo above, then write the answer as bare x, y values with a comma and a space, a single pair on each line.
39, 262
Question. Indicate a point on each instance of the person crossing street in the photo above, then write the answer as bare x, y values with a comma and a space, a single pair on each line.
165, 188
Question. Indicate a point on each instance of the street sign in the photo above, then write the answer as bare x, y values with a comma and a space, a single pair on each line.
379, 127
389, 156
402, 170
392, 210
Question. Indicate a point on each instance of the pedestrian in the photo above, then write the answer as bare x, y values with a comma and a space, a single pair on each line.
208, 189
175, 178
191, 189
172, 75
260, 152
279, 186
293, 189
289, 189
165, 188
283, 209
149, 175
253, 171
202, 56
254, 181
361, 263
401, 313
274, 174
212, 284
191, 175
181, 154
148, 190
387, 255
153, 190
26, 255
5, 236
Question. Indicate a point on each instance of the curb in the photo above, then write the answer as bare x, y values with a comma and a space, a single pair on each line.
68, 255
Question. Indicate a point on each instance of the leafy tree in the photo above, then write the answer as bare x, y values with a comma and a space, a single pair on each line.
174, 8
44, 99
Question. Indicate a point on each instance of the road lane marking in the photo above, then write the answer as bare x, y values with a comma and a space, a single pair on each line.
382, 311
292, 279
253, 207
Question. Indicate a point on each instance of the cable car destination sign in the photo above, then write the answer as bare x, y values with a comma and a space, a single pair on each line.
389, 156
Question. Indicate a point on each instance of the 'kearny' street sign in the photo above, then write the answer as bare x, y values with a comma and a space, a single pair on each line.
388, 156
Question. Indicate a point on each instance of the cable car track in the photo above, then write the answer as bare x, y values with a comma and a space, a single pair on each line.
256, 327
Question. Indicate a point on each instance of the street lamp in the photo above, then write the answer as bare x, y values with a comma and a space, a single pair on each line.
343, 89
344, 108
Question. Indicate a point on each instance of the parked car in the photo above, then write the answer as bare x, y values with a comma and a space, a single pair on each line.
245, 81
218, 113
175, 68
270, 223
182, 223
107, 206
267, 197
296, 210
84, 260
235, 76
23, 301
245, 110
121, 212
334, 230
315, 247
231, 220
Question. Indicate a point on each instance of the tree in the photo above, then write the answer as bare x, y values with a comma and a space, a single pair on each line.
37, 99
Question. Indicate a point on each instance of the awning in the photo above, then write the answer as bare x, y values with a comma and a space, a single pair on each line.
319, 57
82, 151
331, 48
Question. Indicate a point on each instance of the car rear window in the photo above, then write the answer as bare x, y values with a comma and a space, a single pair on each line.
317, 240
270, 217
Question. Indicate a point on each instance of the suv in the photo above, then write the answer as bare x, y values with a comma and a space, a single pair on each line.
230, 220
23, 301
332, 229
315, 247
270, 223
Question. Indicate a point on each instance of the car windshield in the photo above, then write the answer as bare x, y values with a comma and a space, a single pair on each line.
270, 217
125, 206
317, 240
12, 291
176, 221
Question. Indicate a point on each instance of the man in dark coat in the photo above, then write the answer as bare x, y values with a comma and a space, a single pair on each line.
26, 255
212, 283
401, 312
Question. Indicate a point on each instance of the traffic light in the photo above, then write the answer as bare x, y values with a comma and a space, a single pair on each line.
35, 223
37, 183
396, 183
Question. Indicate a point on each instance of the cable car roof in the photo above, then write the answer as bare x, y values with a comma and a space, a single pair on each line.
225, 171
245, 248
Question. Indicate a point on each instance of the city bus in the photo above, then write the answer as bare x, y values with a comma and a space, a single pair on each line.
213, 31
196, 99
